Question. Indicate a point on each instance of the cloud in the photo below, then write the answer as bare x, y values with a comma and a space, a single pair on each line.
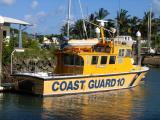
40, 19
41, 14
34, 4
28, 17
36, 19
156, 5
7, 2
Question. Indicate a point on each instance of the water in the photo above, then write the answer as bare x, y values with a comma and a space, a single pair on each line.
139, 103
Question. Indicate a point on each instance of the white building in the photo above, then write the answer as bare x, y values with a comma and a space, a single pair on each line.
47, 41
6, 27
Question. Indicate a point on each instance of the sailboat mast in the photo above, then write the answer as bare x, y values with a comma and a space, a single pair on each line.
117, 24
149, 28
68, 21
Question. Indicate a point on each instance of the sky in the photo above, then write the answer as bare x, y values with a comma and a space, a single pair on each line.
48, 16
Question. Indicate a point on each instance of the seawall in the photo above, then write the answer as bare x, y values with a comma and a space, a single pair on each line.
151, 61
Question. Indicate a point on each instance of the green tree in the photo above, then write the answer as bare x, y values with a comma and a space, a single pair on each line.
91, 27
123, 20
101, 14
134, 24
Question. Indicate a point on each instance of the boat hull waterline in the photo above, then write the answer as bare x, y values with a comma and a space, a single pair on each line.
78, 84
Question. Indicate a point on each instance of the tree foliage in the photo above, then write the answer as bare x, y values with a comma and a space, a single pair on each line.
128, 25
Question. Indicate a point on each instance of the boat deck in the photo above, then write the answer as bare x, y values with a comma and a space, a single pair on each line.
49, 76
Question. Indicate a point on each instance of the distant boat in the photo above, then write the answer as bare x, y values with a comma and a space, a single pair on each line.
125, 39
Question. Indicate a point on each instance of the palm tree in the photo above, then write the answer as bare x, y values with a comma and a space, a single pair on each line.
64, 29
101, 14
91, 27
78, 31
134, 25
123, 19
144, 24
109, 25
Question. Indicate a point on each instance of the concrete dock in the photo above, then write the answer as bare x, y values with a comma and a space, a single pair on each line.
151, 61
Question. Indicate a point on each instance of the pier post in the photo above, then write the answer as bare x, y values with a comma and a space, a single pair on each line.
20, 37
1, 41
138, 34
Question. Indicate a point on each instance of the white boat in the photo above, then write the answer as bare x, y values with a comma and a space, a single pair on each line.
83, 42
124, 40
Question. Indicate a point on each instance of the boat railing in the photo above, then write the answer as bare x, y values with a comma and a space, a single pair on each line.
44, 74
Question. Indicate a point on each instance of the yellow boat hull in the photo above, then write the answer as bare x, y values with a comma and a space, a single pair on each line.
77, 84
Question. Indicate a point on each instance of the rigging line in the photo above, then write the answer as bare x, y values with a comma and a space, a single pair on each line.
84, 25
109, 31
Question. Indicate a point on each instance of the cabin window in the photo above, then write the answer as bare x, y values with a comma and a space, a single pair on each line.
66, 59
94, 60
120, 61
78, 61
103, 60
102, 48
112, 60
72, 57
121, 52
128, 53
73, 60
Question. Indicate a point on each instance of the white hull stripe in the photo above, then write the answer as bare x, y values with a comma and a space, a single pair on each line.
76, 76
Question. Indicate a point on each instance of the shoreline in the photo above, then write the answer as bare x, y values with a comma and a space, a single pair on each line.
152, 61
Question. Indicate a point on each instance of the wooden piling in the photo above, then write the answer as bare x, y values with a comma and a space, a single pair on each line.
1, 41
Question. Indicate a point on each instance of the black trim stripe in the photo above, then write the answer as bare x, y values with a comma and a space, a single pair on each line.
134, 79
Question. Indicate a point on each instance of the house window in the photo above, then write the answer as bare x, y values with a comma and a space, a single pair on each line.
4, 34
103, 60
112, 60
94, 60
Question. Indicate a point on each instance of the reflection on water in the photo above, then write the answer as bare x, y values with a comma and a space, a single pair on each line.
106, 105
142, 102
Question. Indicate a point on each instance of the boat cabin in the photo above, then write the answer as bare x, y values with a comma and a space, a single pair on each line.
101, 58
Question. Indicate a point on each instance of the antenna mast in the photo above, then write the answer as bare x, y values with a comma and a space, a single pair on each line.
68, 21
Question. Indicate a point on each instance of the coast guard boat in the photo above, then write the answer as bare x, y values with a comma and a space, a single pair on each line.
88, 65
91, 66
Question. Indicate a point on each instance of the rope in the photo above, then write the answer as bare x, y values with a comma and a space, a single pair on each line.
84, 26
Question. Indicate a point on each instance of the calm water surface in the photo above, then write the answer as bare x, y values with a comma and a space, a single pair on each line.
139, 103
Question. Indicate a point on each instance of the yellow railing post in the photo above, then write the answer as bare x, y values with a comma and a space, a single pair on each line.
102, 33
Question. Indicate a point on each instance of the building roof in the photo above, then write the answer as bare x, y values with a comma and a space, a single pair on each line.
12, 21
